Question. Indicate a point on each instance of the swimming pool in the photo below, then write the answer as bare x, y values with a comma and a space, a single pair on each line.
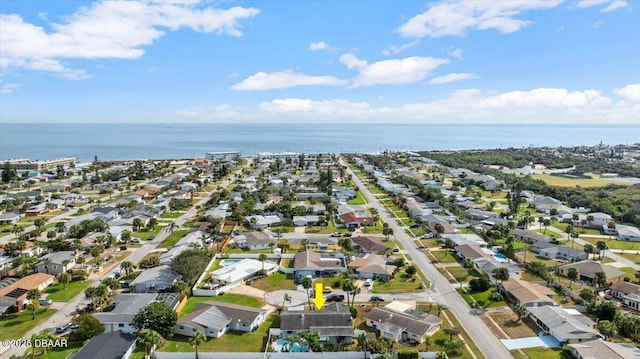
226, 262
283, 345
500, 256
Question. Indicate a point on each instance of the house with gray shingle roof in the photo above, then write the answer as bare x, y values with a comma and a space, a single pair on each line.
56, 262
214, 319
406, 325
566, 326
333, 323
587, 271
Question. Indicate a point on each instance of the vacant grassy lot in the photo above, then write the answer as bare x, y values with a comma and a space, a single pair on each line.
444, 256
275, 281
171, 215
172, 239
632, 256
57, 293
543, 353
145, 233
401, 283
481, 298
230, 342
508, 321
570, 182
358, 200
614, 244
15, 326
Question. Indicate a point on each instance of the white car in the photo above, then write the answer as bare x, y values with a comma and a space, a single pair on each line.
368, 282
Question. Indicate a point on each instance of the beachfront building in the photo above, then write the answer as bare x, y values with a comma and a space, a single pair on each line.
223, 156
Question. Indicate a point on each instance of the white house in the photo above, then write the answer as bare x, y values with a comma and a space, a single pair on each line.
237, 272
214, 319
628, 233
154, 279
127, 306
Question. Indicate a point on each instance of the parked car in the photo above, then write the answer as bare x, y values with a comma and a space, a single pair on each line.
63, 328
368, 282
45, 301
150, 238
135, 240
376, 298
336, 234
326, 290
335, 298
123, 248
396, 250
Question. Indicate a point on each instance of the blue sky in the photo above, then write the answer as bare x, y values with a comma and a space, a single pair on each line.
535, 61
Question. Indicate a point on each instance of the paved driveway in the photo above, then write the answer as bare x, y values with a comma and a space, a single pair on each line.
546, 341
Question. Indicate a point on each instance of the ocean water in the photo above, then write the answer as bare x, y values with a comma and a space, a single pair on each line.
163, 141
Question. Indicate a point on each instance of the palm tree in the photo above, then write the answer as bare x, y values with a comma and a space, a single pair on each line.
196, 340
33, 306
64, 278
348, 287
611, 225
181, 287
427, 341
602, 246
307, 283
112, 283
356, 290
287, 298
171, 227
127, 267
34, 294
588, 249
520, 310
305, 243
440, 308
262, 257
451, 331
137, 224
150, 339
387, 254
572, 273
500, 274
46, 263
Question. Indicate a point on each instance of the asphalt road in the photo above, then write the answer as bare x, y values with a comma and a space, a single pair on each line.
441, 290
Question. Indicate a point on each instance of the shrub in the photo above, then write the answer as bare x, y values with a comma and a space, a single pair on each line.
479, 284
407, 354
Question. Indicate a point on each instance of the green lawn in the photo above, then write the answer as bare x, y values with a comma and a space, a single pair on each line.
544, 353
16, 326
57, 293
573, 182
482, 298
171, 215
444, 256
588, 231
399, 284
226, 298
635, 257
358, 200
172, 239
145, 233
274, 282
230, 342
614, 244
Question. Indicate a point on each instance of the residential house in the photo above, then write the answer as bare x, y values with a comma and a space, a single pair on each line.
56, 262
460, 239
470, 251
553, 251
476, 214
587, 271
372, 266
303, 221
260, 222
400, 322
55, 204
333, 323
240, 271
565, 325
13, 292
190, 241
627, 293
254, 241
214, 319
525, 235
368, 244
526, 293
628, 233
154, 279
111, 345
597, 348
354, 220
37, 210
221, 211
126, 306
10, 218
486, 265
317, 264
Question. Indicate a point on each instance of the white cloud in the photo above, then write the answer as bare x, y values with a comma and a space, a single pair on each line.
452, 78
538, 105
8, 88
598, 24
110, 29
278, 80
391, 72
457, 17
192, 112
581, 4
629, 93
393, 49
457, 53
320, 45
153, 69
618, 4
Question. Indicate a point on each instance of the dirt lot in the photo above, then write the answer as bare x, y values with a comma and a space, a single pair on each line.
508, 321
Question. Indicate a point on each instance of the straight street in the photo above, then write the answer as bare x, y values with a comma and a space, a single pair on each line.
441, 290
